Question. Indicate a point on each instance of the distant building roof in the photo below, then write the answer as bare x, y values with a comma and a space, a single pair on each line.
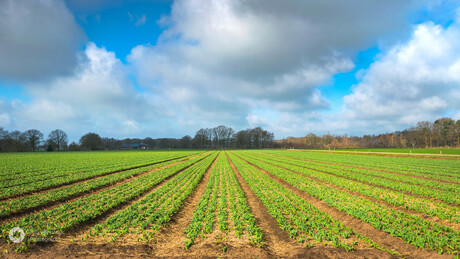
141, 145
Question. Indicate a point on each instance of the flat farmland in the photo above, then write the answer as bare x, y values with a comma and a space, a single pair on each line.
229, 203
419, 151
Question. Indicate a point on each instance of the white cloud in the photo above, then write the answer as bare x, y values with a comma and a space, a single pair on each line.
4, 119
218, 61
416, 80
255, 121
456, 116
38, 39
243, 63
98, 97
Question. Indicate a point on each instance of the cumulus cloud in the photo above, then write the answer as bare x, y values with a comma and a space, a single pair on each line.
4, 119
38, 39
416, 80
238, 63
98, 96
247, 55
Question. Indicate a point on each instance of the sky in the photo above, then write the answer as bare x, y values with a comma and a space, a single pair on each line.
155, 69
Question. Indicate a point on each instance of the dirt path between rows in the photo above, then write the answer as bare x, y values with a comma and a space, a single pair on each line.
430, 218
366, 168
69, 243
385, 240
170, 240
62, 185
278, 242
383, 187
84, 228
369, 175
16, 215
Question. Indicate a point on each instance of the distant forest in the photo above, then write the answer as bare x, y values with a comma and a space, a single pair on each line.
210, 138
443, 132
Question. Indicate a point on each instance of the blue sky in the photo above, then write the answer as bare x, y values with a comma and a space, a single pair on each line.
168, 68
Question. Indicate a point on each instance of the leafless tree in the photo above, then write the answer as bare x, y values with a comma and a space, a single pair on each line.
58, 138
33, 137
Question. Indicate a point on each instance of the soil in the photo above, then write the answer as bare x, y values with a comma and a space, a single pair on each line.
384, 239
433, 219
383, 187
57, 186
371, 169
169, 241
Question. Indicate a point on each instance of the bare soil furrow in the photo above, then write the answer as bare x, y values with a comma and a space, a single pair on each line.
54, 204
82, 229
375, 185
385, 240
170, 240
433, 219
276, 241
41, 190
371, 169
373, 176
281, 245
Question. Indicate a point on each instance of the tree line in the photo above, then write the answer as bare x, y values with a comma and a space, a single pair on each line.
213, 138
32, 140
225, 137
443, 132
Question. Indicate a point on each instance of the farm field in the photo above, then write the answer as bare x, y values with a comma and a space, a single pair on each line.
232, 203
441, 151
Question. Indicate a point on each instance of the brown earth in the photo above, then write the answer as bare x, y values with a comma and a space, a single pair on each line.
15, 215
370, 169
170, 239
57, 186
383, 187
384, 239
433, 219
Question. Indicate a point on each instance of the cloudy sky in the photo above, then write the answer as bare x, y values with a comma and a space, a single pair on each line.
168, 68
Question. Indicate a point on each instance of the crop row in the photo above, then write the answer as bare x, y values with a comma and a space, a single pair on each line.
395, 177
42, 165
203, 218
115, 166
154, 210
295, 215
438, 209
432, 168
37, 185
11, 206
222, 194
69, 215
413, 230
241, 214
446, 196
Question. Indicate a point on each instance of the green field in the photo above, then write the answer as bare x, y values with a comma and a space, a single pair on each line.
224, 201
444, 151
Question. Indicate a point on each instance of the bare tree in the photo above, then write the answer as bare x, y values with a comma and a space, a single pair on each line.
425, 129
221, 135
59, 138
33, 137
200, 139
